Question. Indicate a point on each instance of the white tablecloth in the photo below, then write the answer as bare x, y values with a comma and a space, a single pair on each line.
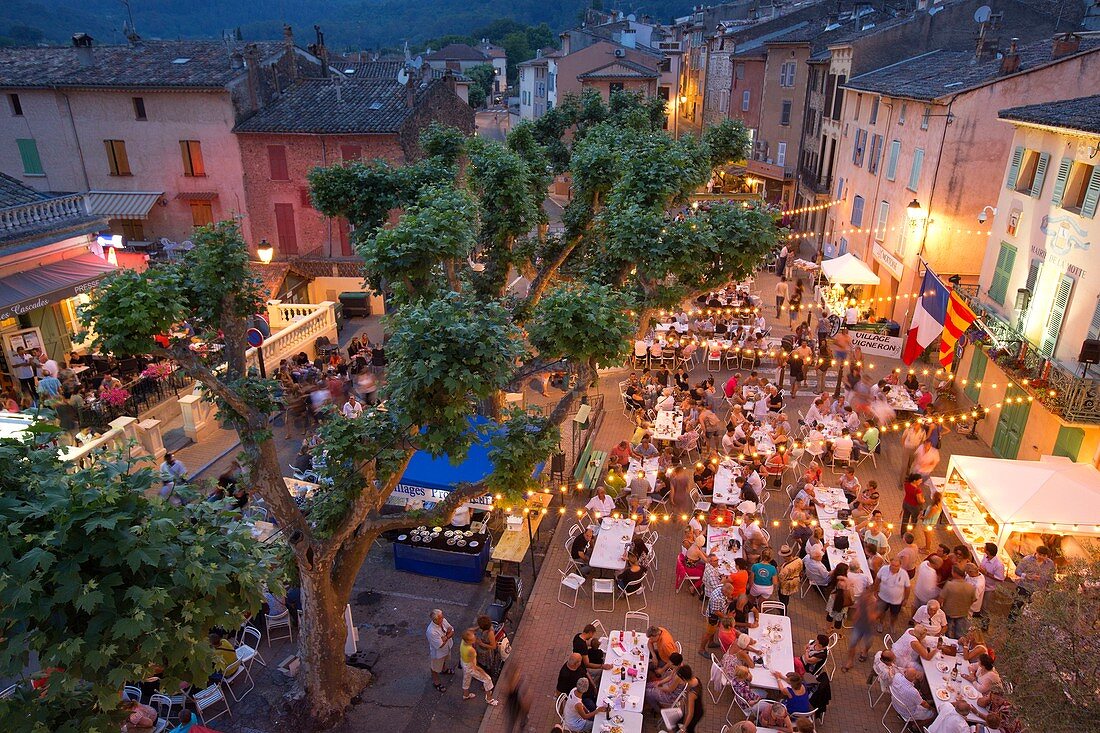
900, 399
779, 655
628, 721
669, 425
611, 543
649, 467
938, 679
631, 651
826, 515
725, 491
718, 543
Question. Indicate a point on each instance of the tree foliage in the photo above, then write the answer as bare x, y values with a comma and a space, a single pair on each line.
1051, 653
482, 75
103, 584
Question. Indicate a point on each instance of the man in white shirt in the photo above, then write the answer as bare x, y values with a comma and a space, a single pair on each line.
842, 447
975, 578
816, 571
353, 408
951, 717
851, 316
857, 579
931, 617
601, 504
905, 698
992, 569
893, 589
172, 470
440, 636
729, 440
813, 415
755, 482
760, 408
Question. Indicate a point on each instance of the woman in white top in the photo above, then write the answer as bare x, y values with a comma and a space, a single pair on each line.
577, 717
910, 648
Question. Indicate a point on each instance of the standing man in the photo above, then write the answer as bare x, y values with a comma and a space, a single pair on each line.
173, 470
1034, 573
956, 598
781, 261
782, 290
440, 636
993, 570
893, 589
23, 370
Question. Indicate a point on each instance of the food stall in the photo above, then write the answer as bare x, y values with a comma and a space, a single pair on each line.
992, 499
846, 276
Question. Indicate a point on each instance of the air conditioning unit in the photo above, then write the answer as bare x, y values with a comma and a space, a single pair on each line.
620, 53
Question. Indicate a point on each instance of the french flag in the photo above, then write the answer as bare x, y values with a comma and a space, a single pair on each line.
928, 319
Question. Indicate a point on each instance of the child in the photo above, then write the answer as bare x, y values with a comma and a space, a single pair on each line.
470, 670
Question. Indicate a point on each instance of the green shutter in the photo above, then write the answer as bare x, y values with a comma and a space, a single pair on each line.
977, 373
1010, 430
1040, 175
1033, 271
32, 163
1068, 443
1094, 325
1092, 195
1006, 259
1057, 315
1060, 183
914, 172
1014, 169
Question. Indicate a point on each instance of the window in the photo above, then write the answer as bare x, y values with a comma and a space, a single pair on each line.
785, 114
914, 172
285, 231
901, 114
925, 117
746, 96
1094, 324
32, 163
16, 105
1002, 271
781, 154
830, 92
139, 108
552, 80
843, 248
540, 89
723, 101
193, 166
201, 213
857, 211
786, 74
838, 99
1030, 170
615, 86
1058, 308
276, 159
876, 154
117, 162
739, 71
132, 229
1078, 188
881, 219
859, 148
874, 110
892, 160
840, 189
351, 152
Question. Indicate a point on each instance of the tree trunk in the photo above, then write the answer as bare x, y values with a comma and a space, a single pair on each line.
329, 683
643, 323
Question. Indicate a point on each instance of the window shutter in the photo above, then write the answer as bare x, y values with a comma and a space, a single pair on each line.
32, 161
1040, 175
1068, 442
914, 172
1014, 169
284, 226
1006, 258
1060, 182
1092, 195
1057, 315
1094, 325
1033, 271
276, 156
892, 161
305, 200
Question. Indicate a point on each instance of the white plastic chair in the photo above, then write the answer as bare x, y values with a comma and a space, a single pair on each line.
559, 708
279, 621
830, 661
603, 587
717, 680
671, 716
634, 589
129, 692
167, 707
207, 698
696, 498
883, 686
777, 607
234, 672
249, 649
636, 616
601, 633
572, 581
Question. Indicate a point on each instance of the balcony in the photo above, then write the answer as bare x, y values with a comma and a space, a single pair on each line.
1075, 399
767, 169
810, 179
58, 214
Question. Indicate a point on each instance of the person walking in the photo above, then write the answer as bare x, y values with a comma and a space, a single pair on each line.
781, 262
912, 501
782, 290
467, 655
440, 636
517, 699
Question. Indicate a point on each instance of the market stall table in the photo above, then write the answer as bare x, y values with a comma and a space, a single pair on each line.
609, 549
668, 425
443, 552
937, 671
623, 686
514, 543
834, 500
772, 636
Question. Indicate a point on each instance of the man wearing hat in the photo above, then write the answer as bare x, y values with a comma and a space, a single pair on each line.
790, 573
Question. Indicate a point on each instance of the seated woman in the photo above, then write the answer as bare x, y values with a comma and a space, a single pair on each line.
663, 689
727, 633
691, 564
629, 577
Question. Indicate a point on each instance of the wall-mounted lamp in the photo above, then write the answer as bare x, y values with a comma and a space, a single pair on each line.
265, 251
914, 212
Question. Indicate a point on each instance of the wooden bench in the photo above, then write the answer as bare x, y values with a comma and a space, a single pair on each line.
514, 543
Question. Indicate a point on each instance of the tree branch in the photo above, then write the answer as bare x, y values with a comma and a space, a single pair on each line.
534, 366
368, 500
542, 280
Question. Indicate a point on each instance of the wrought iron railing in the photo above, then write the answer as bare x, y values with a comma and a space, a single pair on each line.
145, 393
1074, 398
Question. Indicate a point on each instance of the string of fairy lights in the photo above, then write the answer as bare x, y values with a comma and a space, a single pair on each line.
812, 234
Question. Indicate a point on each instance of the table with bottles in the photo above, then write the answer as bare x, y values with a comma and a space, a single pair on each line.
622, 688
944, 674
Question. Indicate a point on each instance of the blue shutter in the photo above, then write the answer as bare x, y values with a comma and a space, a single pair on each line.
892, 160
1060, 182
1006, 258
1092, 195
1040, 175
1014, 169
1057, 315
1094, 325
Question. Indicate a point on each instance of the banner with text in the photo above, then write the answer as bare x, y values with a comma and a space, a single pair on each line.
877, 344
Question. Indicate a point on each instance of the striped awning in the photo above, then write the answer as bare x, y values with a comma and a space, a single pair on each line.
122, 204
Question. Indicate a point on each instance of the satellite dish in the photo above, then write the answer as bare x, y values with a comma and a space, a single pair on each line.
983, 14
418, 62
632, 17
402, 77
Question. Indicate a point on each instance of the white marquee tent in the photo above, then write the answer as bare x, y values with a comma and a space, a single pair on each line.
1052, 495
848, 270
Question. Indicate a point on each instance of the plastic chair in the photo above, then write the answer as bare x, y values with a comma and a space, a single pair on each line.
278, 621
572, 581
232, 673
671, 716
883, 686
633, 589
207, 698
717, 680
250, 644
636, 616
603, 586
167, 707
129, 692
773, 607
831, 660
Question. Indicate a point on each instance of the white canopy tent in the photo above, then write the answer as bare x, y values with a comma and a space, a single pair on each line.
848, 270
1052, 495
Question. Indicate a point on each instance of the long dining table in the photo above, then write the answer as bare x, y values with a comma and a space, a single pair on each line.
773, 636
609, 549
830, 501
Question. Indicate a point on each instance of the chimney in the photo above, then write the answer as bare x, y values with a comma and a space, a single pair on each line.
322, 52
1065, 44
236, 61
410, 92
291, 56
252, 63
85, 56
1010, 62
629, 38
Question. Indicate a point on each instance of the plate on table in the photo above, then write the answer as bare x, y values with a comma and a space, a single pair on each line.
422, 528
970, 692
473, 544
402, 538
448, 533
468, 533
416, 538
461, 543
943, 694
943, 667
437, 530
451, 541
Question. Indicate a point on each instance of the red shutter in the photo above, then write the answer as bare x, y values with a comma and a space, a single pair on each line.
351, 152
344, 232
305, 200
276, 157
284, 225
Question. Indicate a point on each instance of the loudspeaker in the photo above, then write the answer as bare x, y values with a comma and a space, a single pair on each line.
1090, 352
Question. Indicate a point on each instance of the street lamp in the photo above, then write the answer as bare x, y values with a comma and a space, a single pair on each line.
914, 212
265, 251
